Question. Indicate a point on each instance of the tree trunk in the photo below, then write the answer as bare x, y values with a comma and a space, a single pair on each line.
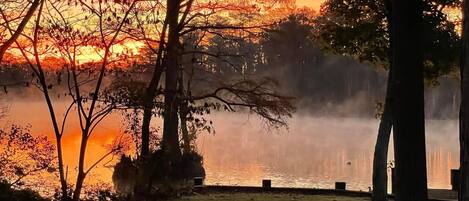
380, 159
183, 112
58, 134
464, 110
150, 95
81, 166
170, 142
186, 139
63, 180
408, 101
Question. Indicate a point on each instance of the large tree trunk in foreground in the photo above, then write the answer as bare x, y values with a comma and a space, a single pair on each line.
170, 142
408, 101
464, 110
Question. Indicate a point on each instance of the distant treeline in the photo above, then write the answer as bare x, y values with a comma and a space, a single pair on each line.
323, 84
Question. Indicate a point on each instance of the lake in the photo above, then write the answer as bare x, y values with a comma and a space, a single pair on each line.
312, 152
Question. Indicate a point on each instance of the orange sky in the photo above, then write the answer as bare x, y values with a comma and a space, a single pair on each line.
310, 3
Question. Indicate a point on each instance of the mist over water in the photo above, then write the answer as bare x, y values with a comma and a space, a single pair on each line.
313, 152
330, 138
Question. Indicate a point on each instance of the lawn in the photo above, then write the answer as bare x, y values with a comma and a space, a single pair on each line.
268, 197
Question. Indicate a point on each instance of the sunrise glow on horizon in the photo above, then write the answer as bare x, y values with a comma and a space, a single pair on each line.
90, 54
230, 100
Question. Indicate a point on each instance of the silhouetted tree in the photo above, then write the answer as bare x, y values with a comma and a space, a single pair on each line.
367, 38
66, 41
173, 29
408, 100
464, 109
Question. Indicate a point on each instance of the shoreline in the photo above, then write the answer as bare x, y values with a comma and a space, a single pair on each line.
434, 194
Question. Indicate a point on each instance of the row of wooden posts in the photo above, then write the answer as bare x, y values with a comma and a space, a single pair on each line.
267, 183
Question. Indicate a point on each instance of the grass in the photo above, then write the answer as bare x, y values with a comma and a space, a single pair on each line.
268, 197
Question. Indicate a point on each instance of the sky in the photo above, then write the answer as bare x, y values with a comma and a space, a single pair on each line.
310, 3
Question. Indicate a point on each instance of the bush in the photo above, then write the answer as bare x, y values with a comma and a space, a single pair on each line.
9, 194
157, 176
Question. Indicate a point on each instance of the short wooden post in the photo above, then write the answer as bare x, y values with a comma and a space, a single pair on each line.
198, 181
266, 183
340, 185
455, 180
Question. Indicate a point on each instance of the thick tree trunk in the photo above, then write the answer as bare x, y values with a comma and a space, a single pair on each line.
408, 101
464, 110
170, 142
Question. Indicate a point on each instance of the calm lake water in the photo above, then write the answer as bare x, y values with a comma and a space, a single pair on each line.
313, 152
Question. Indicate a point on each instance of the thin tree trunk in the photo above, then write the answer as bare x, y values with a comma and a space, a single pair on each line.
185, 133
42, 80
380, 159
151, 93
63, 180
183, 112
58, 136
81, 170
20, 28
464, 109
408, 101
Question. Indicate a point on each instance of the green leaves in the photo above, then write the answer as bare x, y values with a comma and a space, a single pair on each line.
359, 29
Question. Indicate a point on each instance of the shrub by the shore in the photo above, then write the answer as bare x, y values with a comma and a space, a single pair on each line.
7, 193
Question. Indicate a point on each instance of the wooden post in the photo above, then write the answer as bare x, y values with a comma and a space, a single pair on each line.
266, 183
340, 186
393, 181
198, 181
455, 180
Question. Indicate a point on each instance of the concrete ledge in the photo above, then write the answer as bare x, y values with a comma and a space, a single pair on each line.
253, 189
434, 194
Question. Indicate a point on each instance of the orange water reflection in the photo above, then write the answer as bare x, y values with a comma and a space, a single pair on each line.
313, 152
